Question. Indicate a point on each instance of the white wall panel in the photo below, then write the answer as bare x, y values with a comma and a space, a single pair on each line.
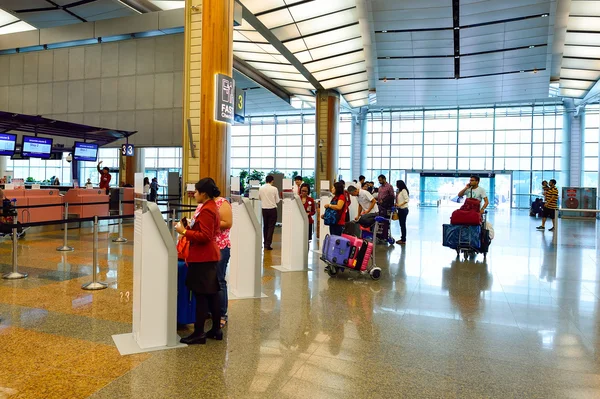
110, 59
126, 93
15, 99
45, 66
60, 91
30, 99
76, 97
145, 56
164, 55
108, 120
30, 67
3, 97
144, 92
92, 93
163, 90
109, 94
163, 127
44, 103
4, 70
61, 65
16, 69
144, 124
127, 57
76, 63
93, 62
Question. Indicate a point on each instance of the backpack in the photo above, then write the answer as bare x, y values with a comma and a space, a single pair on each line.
331, 217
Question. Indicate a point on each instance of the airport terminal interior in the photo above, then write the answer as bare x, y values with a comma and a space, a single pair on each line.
97, 95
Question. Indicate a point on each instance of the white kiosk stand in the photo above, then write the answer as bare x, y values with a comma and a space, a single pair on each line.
294, 233
154, 284
245, 264
325, 197
254, 200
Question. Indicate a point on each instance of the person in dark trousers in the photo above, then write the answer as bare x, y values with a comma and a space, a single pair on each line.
550, 205
105, 178
269, 198
204, 255
153, 190
385, 196
402, 204
341, 206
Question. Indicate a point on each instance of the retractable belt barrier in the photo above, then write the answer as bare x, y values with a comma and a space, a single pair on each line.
94, 284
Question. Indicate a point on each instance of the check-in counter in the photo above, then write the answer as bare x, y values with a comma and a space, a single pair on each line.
77, 196
37, 197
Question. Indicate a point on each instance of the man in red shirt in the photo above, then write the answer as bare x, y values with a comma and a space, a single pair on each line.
104, 177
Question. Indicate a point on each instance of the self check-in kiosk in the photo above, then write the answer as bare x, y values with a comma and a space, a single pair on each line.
294, 233
154, 283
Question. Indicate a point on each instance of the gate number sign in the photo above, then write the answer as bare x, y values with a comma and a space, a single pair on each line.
127, 150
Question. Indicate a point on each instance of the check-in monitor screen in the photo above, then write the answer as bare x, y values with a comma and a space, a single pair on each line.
86, 152
7, 144
36, 147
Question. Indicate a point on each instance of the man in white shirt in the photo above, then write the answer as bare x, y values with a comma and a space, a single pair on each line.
367, 206
472, 190
269, 198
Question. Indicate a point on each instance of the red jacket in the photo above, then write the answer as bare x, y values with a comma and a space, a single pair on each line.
202, 235
309, 207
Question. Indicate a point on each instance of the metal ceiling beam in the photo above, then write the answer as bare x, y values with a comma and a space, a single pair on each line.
245, 69
142, 6
279, 46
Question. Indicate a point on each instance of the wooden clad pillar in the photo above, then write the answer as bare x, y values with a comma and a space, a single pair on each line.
208, 52
328, 122
127, 169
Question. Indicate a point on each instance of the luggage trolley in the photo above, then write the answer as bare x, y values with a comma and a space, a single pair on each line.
466, 239
372, 269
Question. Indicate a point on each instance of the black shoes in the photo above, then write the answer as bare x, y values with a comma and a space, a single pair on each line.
215, 334
551, 229
268, 248
194, 339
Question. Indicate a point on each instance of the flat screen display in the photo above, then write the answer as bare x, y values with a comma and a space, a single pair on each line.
7, 144
36, 147
86, 152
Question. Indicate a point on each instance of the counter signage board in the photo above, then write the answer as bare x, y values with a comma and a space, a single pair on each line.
240, 105
225, 98
127, 150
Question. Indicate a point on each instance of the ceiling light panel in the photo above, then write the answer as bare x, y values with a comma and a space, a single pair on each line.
590, 39
276, 18
346, 80
311, 10
287, 32
342, 18
574, 63
309, 99
581, 51
260, 57
333, 62
168, 5
585, 8
579, 74
299, 91
16, 27
258, 6
589, 24
252, 36
341, 71
291, 83
359, 103
270, 66
357, 96
337, 48
248, 47
575, 84
332, 36
573, 93
284, 75
6, 18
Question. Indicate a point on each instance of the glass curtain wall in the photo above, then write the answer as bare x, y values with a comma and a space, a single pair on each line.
524, 141
345, 148
283, 143
159, 161
41, 170
109, 158
590, 146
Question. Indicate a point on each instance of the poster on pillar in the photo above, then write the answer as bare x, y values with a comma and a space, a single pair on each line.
225, 98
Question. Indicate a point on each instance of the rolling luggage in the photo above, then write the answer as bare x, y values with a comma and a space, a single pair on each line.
360, 254
461, 236
469, 218
336, 249
186, 302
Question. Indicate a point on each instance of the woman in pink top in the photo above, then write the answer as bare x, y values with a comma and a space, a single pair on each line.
224, 208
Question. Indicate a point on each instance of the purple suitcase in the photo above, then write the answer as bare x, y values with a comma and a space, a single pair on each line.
336, 249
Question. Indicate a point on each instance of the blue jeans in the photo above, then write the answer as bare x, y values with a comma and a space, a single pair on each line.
221, 271
336, 230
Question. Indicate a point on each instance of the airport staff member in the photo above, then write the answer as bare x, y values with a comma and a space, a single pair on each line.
104, 177
269, 198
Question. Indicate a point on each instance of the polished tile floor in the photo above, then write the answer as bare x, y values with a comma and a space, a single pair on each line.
524, 323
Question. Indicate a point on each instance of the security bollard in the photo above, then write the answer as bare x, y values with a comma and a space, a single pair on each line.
65, 247
174, 223
14, 275
95, 285
120, 238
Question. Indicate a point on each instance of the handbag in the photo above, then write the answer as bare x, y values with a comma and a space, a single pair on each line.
183, 248
331, 217
395, 215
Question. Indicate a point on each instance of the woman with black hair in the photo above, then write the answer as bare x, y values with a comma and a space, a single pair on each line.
339, 204
402, 199
202, 278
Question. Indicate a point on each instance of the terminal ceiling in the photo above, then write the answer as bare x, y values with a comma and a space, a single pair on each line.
390, 53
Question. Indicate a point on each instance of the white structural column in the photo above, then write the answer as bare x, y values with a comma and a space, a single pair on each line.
3, 164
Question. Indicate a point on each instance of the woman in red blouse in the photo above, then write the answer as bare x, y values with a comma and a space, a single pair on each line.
202, 261
341, 206
309, 207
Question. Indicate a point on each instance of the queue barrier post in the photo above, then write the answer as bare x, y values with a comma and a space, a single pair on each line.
14, 275
65, 247
95, 285
174, 223
120, 238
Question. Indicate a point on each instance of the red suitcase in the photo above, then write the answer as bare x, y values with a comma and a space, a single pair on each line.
361, 253
469, 218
